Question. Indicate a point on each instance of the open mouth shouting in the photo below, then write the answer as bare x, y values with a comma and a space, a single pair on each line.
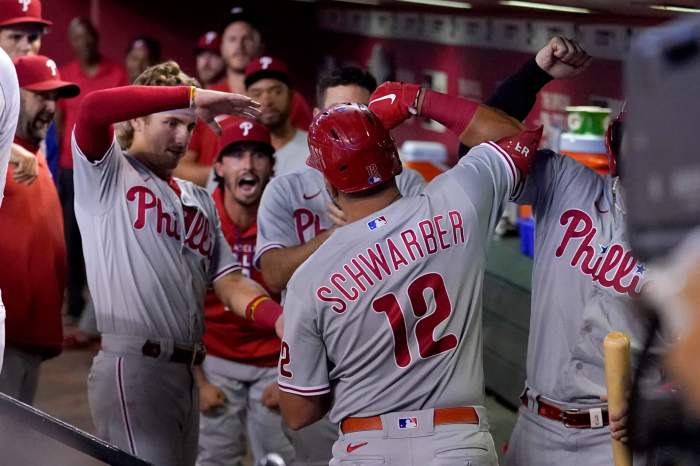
248, 183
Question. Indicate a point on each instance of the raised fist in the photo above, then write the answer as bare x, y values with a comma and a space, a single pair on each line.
562, 58
394, 102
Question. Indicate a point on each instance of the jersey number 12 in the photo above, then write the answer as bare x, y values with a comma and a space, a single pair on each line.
425, 327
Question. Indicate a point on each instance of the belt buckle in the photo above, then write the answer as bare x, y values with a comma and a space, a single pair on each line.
196, 349
565, 414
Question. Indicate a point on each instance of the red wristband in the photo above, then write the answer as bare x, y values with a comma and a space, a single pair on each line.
454, 112
264, 311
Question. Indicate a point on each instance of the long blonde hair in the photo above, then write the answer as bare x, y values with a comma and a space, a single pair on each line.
163, 74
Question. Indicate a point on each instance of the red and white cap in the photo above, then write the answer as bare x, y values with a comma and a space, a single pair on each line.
21, 12
236, 130
266, 67
40, 74
208, 42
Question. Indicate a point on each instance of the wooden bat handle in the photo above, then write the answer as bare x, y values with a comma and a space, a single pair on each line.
616, 349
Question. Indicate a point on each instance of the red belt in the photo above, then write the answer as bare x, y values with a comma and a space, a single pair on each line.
441, 416
574, 418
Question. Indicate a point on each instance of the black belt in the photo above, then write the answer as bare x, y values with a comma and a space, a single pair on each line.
191, 356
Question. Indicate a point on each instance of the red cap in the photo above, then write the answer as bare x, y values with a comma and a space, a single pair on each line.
266, 67
236, 129
352, 148
21, 12
40, 73
208, 42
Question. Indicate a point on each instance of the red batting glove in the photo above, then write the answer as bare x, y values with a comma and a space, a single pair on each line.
394, 102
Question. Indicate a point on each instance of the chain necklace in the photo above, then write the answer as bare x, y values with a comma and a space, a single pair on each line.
616, 181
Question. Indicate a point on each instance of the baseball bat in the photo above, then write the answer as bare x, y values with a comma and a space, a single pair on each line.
616, 349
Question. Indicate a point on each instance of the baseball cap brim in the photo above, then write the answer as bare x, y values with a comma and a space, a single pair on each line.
65, 89
26, 20
267, 148
262, 74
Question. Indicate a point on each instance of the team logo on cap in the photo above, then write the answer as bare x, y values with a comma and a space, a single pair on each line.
25, 4
265, 62
246, 126
52, 64
209, 37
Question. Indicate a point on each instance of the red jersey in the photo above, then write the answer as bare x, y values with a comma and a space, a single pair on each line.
204, 141
108, 75
33, 253
227, 335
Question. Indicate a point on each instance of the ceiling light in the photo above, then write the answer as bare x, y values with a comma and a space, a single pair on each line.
545, 6
674, 8
361, 2
443, 3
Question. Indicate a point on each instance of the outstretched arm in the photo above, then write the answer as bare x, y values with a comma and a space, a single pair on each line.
100, 109
473, 123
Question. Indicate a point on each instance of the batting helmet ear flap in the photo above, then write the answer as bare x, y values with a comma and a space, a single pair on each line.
352, 148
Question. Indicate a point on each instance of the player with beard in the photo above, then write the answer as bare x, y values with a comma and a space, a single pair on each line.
267, 81
242, 356
241, 42
31, 237
210, 66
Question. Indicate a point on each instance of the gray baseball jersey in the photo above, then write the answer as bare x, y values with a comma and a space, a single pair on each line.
148, 259
293, 207
394, 299
584, 279
9, 113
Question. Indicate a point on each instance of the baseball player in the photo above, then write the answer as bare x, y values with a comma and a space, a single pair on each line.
210, 65
296, 212
21, 31
267, 80
9, 114
296, 216
584, 283
31, 237
152, 246
374, 312
241, 357
241, 43
21, 27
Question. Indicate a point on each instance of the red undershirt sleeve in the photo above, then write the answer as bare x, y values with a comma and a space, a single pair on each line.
100, 109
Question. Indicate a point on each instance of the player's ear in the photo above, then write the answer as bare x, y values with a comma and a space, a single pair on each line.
138, 124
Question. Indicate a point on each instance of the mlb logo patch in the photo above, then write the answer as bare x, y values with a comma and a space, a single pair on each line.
408, 423
376, 223
373, 174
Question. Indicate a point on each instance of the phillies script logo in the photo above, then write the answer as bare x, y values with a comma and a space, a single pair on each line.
25, 5
306, 221
610, 265
150, 209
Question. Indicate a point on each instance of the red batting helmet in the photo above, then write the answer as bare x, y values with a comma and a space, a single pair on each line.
613, 141
352, 148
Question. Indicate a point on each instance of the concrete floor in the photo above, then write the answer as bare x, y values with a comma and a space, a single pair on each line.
63, 394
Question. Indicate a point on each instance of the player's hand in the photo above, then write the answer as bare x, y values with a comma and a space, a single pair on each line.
394, 102
336, 215
618, 423
271, 397
618, 426
562, 58
24, 164
208, 104
210, 397
279, 326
